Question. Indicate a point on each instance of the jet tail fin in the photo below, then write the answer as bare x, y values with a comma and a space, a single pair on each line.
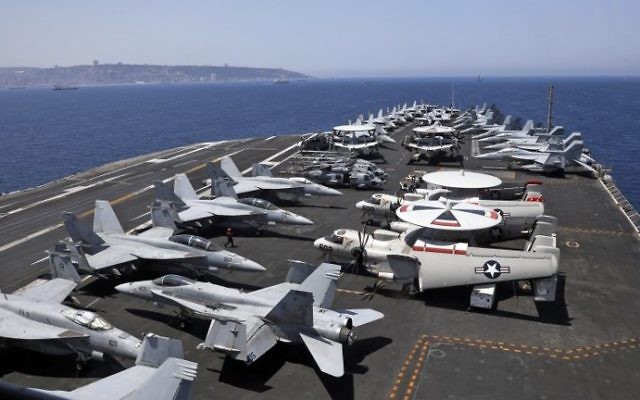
528, 126
216, 172
104, 219
295, 307
573, 151
230, 167
222, 188
62, 267
163, 214
261, 170
174, 376
163, 192
183, 188
156, 349
575, 136
80, 232
321, 283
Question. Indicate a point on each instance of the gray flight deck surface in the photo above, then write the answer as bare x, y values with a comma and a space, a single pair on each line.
430, 346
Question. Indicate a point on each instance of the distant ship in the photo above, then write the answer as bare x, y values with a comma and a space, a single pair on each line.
280, 81
65, 87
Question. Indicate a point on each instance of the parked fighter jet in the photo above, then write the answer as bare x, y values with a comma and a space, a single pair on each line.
34, 318
543, 142
109, 248
497, 137
544, 161
226, 208
434, 258
160, 373
244, 185
246, 325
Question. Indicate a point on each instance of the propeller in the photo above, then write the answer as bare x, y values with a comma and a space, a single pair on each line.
360, 253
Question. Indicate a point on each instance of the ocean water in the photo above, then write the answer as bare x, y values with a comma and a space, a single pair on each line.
46, 134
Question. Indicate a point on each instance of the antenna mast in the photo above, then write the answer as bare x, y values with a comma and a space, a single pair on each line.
550, 107
453, 94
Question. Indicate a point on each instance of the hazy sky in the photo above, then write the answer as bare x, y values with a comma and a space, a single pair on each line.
332, 38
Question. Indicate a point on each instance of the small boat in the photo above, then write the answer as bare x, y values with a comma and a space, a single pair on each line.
280, 81
65, 87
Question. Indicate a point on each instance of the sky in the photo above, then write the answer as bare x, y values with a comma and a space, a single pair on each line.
332, 38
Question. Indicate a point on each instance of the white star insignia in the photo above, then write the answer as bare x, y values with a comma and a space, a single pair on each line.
492, 269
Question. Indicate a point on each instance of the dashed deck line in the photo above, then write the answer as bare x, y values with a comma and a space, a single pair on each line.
595, 231
421, 346
569, 354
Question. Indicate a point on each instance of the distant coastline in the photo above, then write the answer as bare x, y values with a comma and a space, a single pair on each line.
119, 74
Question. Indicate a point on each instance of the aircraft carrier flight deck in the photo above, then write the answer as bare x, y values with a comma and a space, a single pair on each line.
428, 346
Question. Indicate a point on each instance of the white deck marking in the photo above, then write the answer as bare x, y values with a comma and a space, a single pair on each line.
40, 260
29, 237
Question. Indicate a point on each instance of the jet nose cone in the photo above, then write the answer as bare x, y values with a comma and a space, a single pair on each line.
331, 192
251, 266
304, 221
239, 263
125, 287
360, 204
318, 242
134, 289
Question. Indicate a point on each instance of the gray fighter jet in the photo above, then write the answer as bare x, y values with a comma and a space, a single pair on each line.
262, 181
109, 248
34, 318
160, 373
226, 208
246, 325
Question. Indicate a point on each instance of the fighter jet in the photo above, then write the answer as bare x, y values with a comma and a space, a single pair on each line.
226, 208
548, 161
246, 325
160, 373
34, 318
109, 249
265, 182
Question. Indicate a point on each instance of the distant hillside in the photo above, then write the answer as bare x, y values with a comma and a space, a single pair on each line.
132, 73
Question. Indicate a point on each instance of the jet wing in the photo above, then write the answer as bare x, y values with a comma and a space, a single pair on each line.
13, 326
158, 232
266, 184
213, 210
195, 308
116, 255
171, 380
54, 290
109, 257
326, 353
537, 158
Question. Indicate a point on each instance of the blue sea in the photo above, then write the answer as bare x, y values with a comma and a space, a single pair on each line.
46, 134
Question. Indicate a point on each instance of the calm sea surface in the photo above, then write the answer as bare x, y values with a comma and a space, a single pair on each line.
46, 134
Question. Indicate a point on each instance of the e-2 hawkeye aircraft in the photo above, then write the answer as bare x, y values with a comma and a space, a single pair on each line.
519, 215
109, 250
424, 258
246, 325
